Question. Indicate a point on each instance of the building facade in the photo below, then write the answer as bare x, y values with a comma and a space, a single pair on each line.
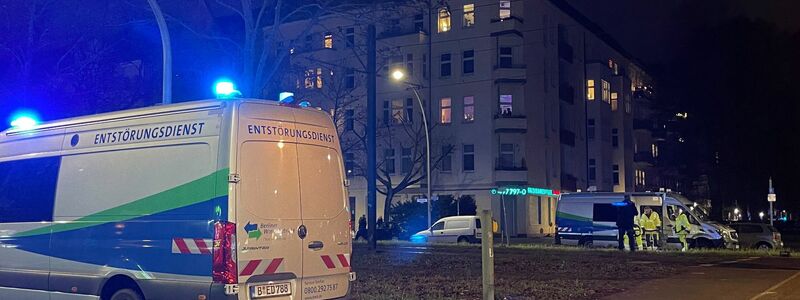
524, 96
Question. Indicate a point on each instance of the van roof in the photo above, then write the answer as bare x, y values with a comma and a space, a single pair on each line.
458, 217
123, 114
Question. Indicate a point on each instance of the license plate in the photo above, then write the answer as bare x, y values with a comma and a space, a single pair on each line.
270, 290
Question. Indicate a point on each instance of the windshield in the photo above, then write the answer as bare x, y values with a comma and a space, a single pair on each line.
700, 213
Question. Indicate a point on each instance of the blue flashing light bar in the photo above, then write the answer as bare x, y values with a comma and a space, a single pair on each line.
24, 120
225, 89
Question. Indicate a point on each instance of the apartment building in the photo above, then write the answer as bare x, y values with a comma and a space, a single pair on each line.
525, 99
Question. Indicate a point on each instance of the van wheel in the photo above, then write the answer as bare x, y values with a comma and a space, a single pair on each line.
126, 294
763, 246
463, 240
586, 242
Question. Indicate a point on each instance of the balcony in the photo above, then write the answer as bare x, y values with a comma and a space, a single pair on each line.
403, 35
511, 25
510, 123
509, 171
644, 157
565, 51
566, 93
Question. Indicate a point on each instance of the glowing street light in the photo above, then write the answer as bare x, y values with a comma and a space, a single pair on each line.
398, 76
761, 215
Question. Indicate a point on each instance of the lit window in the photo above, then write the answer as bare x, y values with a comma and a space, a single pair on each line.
398, 113
309, 79
468, 65
444, 20
614, 102
469, 108
469, 15
590, 89
505, 9
506, 106
606, 91
445, 109
654, 150
445, 65
319, 78
328, 41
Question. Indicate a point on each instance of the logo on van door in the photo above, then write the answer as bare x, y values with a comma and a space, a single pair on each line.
252, 231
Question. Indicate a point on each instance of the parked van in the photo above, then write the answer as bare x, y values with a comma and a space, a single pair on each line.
589, 219
457, 229
232, 199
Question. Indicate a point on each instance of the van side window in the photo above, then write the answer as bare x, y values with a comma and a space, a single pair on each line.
438, 226
457, 224
28, 189
478, 223
604, 212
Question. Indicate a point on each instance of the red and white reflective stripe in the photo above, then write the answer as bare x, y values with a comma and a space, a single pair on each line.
191, 246
260, 266
331, 262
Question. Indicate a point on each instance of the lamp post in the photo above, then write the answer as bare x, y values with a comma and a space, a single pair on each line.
398, 76
166, 53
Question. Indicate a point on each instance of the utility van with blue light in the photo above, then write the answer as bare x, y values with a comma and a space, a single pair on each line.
225, 199
589, 219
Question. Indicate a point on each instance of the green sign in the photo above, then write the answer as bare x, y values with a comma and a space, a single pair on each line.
522, 191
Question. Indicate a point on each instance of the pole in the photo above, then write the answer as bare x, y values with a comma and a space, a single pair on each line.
487, 254
427, 151
371, 136
771, 199
505, 221
166, 54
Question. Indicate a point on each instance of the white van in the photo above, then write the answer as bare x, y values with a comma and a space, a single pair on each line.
237, 199
457, 229
589, 219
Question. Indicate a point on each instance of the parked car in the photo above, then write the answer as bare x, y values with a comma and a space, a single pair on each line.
758, 235
458, 229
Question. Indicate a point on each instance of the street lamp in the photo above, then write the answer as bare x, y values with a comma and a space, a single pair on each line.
761, 215
398, 76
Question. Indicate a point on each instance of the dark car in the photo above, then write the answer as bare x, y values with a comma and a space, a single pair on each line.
758, 235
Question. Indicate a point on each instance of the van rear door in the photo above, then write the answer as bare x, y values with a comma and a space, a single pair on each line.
267, 206
326, 246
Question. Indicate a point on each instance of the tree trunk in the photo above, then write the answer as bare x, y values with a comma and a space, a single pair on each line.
387, 206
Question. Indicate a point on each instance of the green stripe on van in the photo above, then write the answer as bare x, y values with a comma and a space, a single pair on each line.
199, 190
572, 217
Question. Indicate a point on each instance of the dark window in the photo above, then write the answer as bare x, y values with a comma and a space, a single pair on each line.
409, 110
604, 212
349, 119
478, 223
445, 65
349, 78
590, 130
352, 209
506, 57
406, 161
615, 137
438, 226
418, 23
447, 158
615, 175
350, 36
388, 155
28, 189
592, 169
469, 158
349, 162
386, 112
469, 62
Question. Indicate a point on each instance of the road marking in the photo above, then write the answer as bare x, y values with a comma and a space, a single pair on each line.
775, 287
707, 265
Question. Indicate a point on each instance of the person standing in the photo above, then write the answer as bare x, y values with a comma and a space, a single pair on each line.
626, 215
362, 227
682, 228
651, 223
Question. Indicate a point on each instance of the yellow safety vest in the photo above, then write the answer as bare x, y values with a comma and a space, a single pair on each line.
682, 224
650, 223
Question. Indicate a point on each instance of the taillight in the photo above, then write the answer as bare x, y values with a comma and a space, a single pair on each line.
224, 268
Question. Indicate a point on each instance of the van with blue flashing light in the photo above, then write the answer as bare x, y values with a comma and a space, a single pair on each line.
237, 199
589, 219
